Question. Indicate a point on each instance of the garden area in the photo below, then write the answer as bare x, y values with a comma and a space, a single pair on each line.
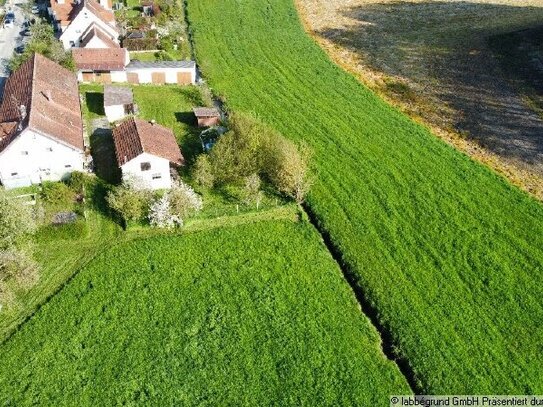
155, 27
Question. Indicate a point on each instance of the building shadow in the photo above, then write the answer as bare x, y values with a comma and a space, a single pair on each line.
95, 102
440, 52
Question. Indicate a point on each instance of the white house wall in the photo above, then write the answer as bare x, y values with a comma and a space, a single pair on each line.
32, 158
114, 113
159, 167
118, 76
96, 42
145, 74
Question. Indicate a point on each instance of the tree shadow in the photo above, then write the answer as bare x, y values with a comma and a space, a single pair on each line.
440, 53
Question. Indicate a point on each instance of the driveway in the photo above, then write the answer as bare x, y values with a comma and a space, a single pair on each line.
9, 39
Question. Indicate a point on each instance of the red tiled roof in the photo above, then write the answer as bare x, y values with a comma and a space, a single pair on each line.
99, 59
50, 96
134, 136
68, 11
95, 31
63, 11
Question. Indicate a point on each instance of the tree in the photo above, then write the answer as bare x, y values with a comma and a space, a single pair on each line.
251, 191
202, 171
288, 168
16, 220
160, 214
237, 153
130, 202
42, 41
184, 201
174, 207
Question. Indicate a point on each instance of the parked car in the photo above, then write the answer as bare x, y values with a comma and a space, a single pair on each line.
35, 10
20, 49
9, 19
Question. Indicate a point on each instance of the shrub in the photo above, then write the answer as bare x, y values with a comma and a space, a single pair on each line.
237, 154
172, 208
16, 220
77, 181
17, 265
129, 202
56, 193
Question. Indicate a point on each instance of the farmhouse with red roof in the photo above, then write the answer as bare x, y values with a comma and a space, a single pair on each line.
41, 130
146, 151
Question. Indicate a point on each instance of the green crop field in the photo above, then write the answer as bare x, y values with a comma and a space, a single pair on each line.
210, 318
448, 253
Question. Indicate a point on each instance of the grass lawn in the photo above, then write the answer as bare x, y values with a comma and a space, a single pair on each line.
447, 252
194, 320
170, 105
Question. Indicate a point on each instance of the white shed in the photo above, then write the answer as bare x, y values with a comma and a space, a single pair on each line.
118, 102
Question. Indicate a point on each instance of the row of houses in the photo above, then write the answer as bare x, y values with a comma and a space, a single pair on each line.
88, 28
42, 135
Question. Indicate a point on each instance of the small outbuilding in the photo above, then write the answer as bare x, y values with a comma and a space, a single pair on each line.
207, 116
118, 102
146, 151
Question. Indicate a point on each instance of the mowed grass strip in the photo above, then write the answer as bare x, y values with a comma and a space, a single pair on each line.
447, 252
254, 315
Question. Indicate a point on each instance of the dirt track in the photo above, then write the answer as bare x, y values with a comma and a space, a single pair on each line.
433, 59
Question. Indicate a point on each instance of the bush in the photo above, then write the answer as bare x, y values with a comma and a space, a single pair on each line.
16, 220
56, 193
129, 202
18, 266
77, 181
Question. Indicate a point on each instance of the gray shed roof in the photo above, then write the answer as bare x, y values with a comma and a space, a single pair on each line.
206, 112
135, 64
117, 95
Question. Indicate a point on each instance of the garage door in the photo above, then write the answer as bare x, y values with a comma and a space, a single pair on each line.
158, 77
184, 78
88, 77
132, 77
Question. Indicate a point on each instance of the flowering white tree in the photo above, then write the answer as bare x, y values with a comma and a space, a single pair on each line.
160, 214
172, 208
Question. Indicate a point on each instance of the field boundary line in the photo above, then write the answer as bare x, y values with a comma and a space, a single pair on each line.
368, 310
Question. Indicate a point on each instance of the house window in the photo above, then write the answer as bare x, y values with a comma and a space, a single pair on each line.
145, 166
157, 176
72, 44
50, 149
13, 174
68, 166
24, 152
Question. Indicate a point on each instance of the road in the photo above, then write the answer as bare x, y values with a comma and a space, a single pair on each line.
9, 39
